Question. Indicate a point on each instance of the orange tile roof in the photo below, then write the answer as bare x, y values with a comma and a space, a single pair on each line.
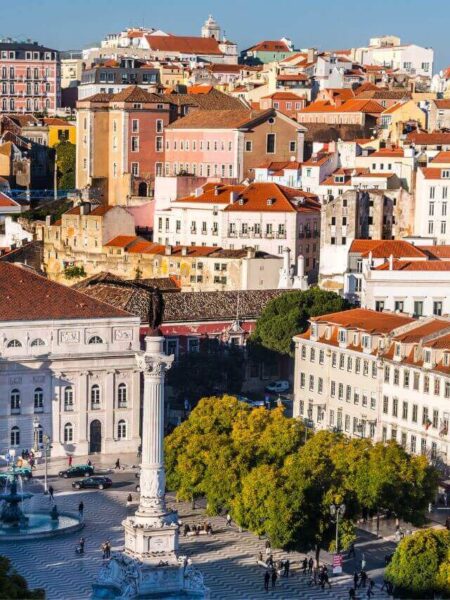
431, 139
6, 200
280, 165
416, 265
437, 252
270, 46
441, 157
200, 89
219, 119
214, 193
388, 153
355, 105
422, 330
283, 96
256, 198
183, 44
386, 248
432, 172
319, 160
441, 343
442, 104
296, 77
121, 241
57, 122
365, 320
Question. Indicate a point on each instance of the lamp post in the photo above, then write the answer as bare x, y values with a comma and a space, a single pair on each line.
337, 511
46, 441
35, 431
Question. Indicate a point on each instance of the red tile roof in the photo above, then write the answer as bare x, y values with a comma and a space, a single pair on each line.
365, 320
220, 119
428, 139
388, 153
214, 193
27, 296
436, 252
296, 77
283, 96
415, 334
442, 104
432, 172
121, 241
441, 157
386, 248
270, 46
416, 265
6, 200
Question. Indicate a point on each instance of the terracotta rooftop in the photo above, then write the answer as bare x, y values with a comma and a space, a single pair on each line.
6, 201
442, 157
365, 320
442, 104
388, 153
436, 252
433, 172
293, 77
272, 197
220, 119
382, 94
354, 105
422, 330
270, 46
184, 44
416, 265
386, 248
283, 96
98, 211
27, 296
428, 139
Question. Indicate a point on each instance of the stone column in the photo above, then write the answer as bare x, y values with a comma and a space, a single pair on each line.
154, 364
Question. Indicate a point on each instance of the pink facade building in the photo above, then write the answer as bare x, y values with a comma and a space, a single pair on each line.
29, 78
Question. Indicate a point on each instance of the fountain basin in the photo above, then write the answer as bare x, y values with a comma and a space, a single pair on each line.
41, 525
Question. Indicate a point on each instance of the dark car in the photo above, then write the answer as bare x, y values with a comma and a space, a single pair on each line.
77, 471
98, 482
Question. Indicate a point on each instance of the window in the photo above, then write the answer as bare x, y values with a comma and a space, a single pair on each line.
122, 395
15, 400
333, 389
437, 308
38, 398
292, 146
95, 339
320, 385
68, 433
38, 342
321, 357
447, 389
406, 379
95, 397
435, 422
379, 305
432, 192
358, 365
426, 384
160, 126
341, 361
135, 169
385, 405
425, 419
395, 407
15, 436
374, 369
302, 380
418, 308
270, 143
413, 444
134, 143
311, 383
399, 305
416, 380
341, 391
121, 429
348, 393
342, 336
437, 386
159, 144
68, 398
248, 146
423, 446
405, 411
193, 345
14, 344
312, 355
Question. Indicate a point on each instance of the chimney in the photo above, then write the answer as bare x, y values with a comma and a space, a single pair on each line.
168, 250
300, 266
370, 259
311, 54
233, 197
184, 251
216, 190
85, 208
391, 262
337, 100
251, 252
48, 220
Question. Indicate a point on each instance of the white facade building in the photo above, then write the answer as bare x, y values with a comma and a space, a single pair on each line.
388, 52
431, 216
378, 375
69, 361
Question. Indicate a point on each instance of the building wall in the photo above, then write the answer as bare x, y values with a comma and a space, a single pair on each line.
431, 208
72, 362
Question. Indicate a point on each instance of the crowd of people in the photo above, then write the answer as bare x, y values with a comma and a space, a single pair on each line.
203, 528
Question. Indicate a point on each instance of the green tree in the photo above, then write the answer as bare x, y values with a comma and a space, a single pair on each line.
288, 314
391, 480
13, 586
66, 161
420, 565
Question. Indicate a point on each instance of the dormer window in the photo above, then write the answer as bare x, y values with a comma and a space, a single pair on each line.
446, 359
328, 332
270, 201
339, 179
397, 350
342, 336
314, 330
427, 356
366, 342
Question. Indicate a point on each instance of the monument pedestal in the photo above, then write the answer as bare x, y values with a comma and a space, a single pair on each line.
150, 567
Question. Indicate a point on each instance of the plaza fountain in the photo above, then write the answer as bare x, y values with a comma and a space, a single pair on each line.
18, 524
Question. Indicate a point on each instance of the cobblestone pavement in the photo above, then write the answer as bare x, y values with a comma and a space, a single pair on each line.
227, 559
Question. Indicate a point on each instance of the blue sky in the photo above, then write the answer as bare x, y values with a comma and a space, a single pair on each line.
65, 24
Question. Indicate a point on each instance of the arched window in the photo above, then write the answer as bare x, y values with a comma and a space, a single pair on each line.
95, 396
15, 400
122, 395
68, 398
38, 342
121, 429
38, 398
15, 436
95, 339
14, 344
68, 432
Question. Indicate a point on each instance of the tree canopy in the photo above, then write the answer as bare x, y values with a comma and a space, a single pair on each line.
420, 567
256, 463
288, 315
13, 586
66, 159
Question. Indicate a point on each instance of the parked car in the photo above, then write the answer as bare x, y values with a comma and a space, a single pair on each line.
99, 482
138, 488
77, 471
278, 387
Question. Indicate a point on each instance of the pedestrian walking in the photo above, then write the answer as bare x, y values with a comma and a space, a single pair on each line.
70, 460
260, 558
363, 577
103, 549
266, 580
356, 580
108, 549
304, 565
370, 592
51, 491
81, 509
228, 520
274, 577
89, 463
351, 593
117, 465
310, 565
129, 499
287, 565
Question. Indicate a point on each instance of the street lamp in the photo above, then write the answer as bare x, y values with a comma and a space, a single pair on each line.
36, 434
337, 511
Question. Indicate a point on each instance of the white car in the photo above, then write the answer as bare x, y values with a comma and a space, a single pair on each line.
278, 387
